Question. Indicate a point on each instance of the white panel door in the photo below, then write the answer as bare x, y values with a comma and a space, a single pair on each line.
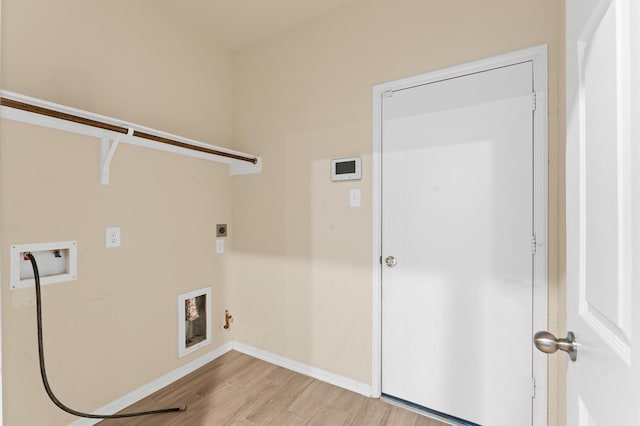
603, 212
457, 220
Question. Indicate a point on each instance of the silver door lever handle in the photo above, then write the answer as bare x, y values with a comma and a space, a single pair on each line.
548, 343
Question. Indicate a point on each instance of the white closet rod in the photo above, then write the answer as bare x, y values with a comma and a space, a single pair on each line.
11, 103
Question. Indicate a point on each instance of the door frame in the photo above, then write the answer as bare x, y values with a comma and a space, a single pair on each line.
538, 56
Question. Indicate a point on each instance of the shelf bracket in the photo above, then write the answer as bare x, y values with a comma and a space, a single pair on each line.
107, 150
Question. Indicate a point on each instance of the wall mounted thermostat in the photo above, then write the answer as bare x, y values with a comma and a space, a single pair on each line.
346, 169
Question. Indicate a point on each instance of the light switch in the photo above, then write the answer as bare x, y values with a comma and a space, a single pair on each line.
219, 246
354, 198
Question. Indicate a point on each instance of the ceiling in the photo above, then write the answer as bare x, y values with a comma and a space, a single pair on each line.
235, 24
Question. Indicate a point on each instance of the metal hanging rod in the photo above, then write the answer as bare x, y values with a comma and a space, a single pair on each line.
118, 129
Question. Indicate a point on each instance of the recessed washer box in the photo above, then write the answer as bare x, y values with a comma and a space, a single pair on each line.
57, 263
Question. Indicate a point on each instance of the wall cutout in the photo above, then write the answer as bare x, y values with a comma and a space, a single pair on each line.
194, 320
57, 263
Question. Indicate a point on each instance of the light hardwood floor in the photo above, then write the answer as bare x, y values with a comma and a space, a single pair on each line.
237, 389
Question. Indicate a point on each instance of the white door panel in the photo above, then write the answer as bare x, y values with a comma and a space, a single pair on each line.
457, 215
602, 211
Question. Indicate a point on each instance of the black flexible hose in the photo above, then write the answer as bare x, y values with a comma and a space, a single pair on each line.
43, 371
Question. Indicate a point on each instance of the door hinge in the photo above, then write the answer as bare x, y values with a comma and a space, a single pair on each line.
534, 244
387, 93
533, 394
533, 101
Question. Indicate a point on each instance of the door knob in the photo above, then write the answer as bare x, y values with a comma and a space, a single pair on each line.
390, 261
548, 343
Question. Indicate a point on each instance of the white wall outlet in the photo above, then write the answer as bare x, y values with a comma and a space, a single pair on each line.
113, 237
219, 246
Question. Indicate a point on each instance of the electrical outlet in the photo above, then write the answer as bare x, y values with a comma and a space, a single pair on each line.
113, 237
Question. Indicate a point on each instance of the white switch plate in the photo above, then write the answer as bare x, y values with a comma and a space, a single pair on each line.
354, 198
219, 246
113, 237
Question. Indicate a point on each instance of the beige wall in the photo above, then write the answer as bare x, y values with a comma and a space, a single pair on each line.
115, 328
304, 97
119, 58
297, 275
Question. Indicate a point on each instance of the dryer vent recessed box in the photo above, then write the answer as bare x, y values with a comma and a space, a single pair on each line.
346, 169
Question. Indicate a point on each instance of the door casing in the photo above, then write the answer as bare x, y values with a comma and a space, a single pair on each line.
538, 56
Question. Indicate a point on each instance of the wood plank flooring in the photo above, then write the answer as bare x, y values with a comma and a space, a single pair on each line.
237, 389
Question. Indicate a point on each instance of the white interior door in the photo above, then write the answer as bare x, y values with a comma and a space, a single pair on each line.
457, 225
603, 211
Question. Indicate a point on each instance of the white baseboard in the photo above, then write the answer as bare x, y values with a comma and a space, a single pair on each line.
167, 379
307, 370
156, 385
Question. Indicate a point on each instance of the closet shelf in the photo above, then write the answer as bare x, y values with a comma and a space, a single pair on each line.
112, 132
